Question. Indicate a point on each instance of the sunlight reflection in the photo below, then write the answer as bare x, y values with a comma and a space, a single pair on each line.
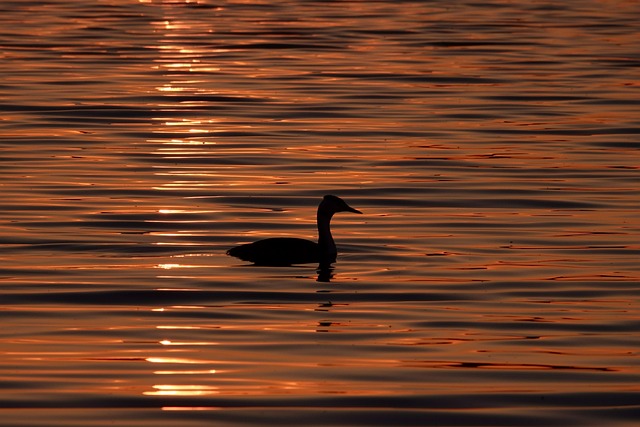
182, 390
196, 372
176, 360
168, 88
499, 235
175, 343
167, 266
176, 266
174, 327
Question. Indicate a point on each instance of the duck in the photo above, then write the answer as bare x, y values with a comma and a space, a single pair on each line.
287, 251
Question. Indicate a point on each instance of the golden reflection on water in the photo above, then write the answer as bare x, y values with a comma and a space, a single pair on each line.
495, 159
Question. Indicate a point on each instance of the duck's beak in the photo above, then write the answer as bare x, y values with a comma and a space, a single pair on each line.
350, 209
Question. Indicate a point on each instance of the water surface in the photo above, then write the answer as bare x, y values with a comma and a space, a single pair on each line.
493, 148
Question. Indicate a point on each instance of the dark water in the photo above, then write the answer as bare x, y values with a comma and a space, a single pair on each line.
493, 148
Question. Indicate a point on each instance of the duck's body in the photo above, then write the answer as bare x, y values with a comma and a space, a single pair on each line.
278, 251
283, 251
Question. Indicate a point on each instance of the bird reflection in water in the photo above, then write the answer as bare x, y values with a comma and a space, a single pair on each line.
325, 273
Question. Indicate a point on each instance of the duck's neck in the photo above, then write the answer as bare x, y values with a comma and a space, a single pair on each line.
328, 251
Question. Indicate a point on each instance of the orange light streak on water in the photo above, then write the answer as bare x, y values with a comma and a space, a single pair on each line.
492, 148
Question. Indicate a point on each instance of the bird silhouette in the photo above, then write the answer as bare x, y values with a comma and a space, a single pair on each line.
285, 251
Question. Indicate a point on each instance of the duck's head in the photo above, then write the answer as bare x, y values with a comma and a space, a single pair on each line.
334, 204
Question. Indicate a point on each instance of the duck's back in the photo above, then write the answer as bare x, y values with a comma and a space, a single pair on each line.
278, 251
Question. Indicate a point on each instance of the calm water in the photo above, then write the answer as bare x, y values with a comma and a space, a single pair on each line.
494, 278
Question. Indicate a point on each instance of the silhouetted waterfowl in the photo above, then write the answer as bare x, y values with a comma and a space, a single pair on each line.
283, 251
